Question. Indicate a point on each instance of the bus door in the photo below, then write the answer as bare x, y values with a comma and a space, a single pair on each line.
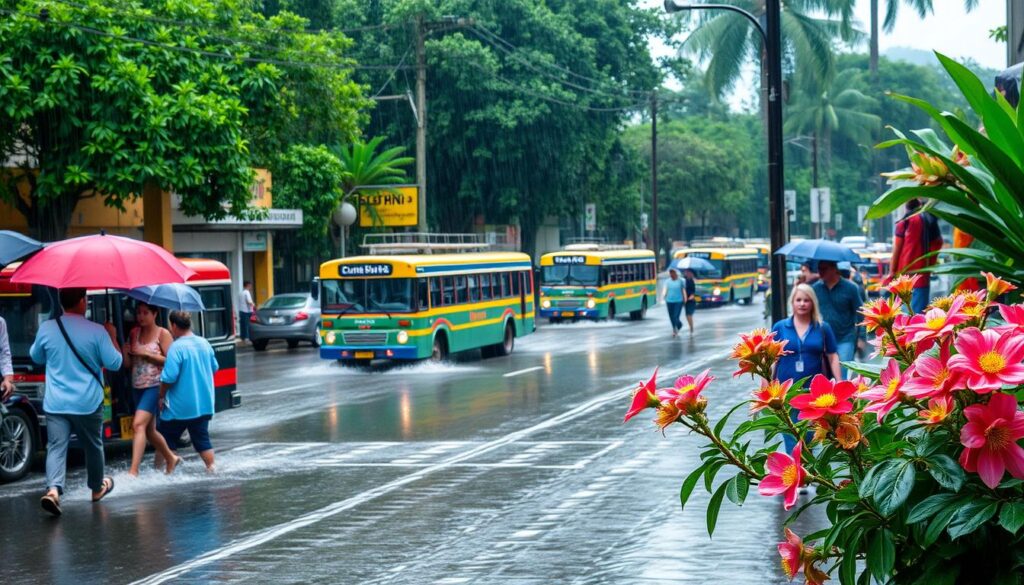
216, 324
119, 403
520, 282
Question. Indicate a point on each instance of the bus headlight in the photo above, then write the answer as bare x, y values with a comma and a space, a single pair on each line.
330, 337
591, 303
403, 337
545, 304
717, 292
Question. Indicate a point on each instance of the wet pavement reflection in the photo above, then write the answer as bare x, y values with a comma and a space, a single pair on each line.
511, 470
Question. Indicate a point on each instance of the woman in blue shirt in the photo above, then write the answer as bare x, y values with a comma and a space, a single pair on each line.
811, 341
675, 296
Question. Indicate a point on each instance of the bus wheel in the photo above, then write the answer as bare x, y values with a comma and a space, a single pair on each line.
17, 445
611, 311
440, 351
508, 342
749, 299
641, 313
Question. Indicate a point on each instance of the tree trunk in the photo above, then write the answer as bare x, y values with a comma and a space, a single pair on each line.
873, 59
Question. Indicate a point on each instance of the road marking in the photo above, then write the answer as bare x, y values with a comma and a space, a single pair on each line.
523, 371
642, 339
288, 389
331, 510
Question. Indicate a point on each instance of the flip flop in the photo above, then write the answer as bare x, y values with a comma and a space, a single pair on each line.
51, 505
108, 486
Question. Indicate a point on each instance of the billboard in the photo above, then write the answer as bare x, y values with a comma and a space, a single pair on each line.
396, 206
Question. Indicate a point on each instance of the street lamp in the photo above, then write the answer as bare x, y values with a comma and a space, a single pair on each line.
771, 34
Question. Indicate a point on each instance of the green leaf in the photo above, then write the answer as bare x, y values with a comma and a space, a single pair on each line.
712, 471
714, 506
721, 423
927, 507
737, 489
848, 568
929, 443
689, 483
867, 485
893, 486
938, 524
870, 370
881, 555
948, 473
971, 516
1011, 517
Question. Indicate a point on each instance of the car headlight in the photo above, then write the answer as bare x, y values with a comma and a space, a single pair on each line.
545, 304
331, 337
403, 336
591, 303
717, 291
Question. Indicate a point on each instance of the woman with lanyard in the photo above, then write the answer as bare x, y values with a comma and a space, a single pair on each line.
811, 341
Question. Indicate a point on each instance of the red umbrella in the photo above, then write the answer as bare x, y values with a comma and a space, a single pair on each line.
101, 262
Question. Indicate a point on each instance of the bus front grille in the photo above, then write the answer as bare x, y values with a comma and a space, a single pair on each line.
366, 337
568, 304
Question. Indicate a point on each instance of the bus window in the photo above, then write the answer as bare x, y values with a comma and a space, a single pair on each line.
460, 289
447, 290
217, 319
528, 282
24, 314
435, 292
506, 285
517, 284
473, 288
423, 294
485, 286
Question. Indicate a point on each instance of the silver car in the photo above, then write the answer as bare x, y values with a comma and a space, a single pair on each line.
293, 317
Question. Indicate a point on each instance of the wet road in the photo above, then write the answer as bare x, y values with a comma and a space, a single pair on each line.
507, 470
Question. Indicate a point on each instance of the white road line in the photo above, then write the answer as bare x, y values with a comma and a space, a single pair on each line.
288, 389
523, 371
642, 339
329, 511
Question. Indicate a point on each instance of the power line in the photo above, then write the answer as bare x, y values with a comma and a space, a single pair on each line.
391, 76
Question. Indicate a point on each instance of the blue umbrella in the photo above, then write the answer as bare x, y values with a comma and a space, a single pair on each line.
694, 264
819, 250
176, 296
15, 246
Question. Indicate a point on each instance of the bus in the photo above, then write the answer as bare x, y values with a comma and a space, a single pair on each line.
26, 307
733, 278
764, 259
597, 282
419, 306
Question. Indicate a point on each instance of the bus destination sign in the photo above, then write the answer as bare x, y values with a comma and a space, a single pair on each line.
569, 259
364, 270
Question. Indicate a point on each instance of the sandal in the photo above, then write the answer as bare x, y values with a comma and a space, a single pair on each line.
51, 504
108, 486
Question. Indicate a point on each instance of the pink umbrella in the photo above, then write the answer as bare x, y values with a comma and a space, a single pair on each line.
101, 262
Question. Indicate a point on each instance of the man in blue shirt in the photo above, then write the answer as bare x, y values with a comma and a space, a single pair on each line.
186, 388
73, 400
839, 301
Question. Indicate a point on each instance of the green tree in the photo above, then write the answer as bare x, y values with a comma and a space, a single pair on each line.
362, 166
310, 178
922, 7
106, 98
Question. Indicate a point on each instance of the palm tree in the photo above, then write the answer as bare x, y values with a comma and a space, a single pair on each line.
364, 166
728, 40
922, 7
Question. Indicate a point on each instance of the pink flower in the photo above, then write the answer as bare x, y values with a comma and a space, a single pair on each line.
771, 395
785, 476
932, 376
792, 553
684, 394
990, 437
937, 411
826, 397
644, 397
935, 323
886, 394
1013, 315
988, 360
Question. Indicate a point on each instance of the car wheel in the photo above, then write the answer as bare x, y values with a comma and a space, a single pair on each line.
17, 445
317, 339
259, 344
293, 343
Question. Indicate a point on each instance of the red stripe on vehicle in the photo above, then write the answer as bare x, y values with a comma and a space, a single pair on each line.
225, 377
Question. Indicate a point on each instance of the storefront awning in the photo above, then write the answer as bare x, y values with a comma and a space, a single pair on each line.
276, 219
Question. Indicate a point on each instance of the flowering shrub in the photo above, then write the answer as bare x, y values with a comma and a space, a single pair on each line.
917, 464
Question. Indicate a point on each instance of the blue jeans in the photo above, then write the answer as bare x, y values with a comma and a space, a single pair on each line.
243, 325
920, 297
89, 429
673, 315
847, 350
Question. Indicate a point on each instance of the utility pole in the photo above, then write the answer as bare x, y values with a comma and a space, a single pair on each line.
655, 245
421, 125
1014, 32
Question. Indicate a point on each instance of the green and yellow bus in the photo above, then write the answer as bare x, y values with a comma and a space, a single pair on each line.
418, 306
734, 277
584, 282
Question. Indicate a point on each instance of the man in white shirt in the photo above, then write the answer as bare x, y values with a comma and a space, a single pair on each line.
245, 310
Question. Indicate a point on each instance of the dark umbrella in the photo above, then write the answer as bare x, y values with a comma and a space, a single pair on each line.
176, 296
15, 246
819, 250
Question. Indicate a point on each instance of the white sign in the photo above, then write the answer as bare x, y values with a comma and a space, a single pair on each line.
821, 205
364, 270
276, 218
591, 217
790, 199
254, 241
569, 260
862, 212
643, 221
839, 221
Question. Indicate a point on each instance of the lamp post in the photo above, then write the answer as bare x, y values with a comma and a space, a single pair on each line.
771, 34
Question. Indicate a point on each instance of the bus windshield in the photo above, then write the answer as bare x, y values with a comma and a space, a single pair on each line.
707, 273
24, 314
570, 274
368, 295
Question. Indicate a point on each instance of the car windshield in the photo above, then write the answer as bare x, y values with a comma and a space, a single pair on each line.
285, 302
367, 295
24, 314
579, 274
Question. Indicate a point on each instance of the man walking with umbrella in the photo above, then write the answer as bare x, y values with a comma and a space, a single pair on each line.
75, 352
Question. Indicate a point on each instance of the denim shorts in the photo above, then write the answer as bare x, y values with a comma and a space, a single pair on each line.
198, 431
146, 399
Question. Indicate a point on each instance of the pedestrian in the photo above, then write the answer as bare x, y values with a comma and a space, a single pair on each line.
675, 296
917, 234
839, 302
75, 352
245, 310
811, 341
145, 353
691, 297
6, 363
186, 389
808, 275
847, 271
